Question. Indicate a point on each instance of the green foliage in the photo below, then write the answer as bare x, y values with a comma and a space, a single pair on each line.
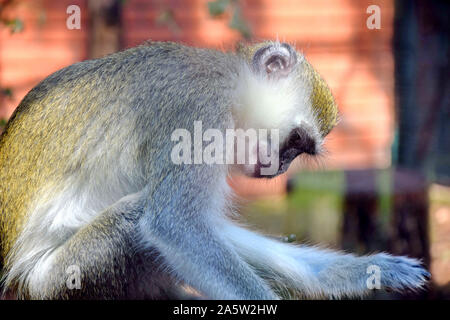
15, 25
384, 199
219, 7
7, 92
239, 24
2, 124
166, 17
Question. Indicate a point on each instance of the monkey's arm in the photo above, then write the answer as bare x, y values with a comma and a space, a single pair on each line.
324, 273
181, 226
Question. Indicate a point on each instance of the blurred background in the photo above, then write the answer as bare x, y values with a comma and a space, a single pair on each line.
383, 184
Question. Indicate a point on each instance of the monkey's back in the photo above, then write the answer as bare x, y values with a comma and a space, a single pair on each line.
25, 149
27, 162
96, 102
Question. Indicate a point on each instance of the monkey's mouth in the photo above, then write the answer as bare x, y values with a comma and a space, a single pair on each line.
298, 142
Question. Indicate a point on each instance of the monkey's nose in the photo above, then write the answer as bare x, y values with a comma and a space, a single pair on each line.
301, 141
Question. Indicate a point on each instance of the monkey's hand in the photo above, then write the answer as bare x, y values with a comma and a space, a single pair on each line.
399, 273
317, 273
349, 275
346, 275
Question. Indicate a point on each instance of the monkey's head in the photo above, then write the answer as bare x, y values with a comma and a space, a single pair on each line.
279, 89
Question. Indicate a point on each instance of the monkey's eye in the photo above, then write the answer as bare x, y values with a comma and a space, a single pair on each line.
275, 63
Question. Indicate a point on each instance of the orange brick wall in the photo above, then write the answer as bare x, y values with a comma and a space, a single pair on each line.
44, 46
356, 62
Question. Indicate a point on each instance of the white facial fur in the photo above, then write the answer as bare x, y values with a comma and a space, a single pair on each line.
263, 102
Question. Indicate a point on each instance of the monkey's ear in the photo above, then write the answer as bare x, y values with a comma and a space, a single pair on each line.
275, 60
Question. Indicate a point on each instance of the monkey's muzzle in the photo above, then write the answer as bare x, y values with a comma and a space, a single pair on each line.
299, 141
